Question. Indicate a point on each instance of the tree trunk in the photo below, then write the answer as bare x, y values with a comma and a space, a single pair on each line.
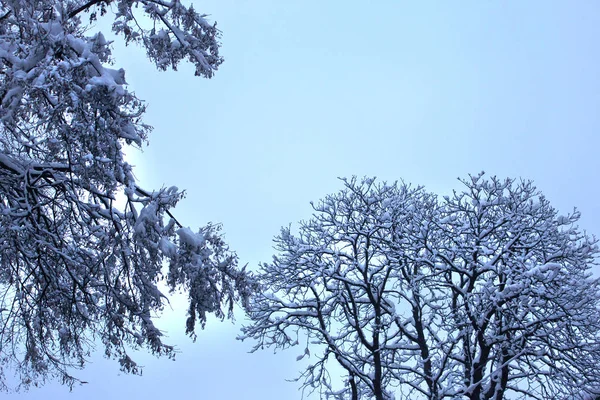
354, 388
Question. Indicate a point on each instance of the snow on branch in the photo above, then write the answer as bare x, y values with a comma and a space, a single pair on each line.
485, 294
83, 247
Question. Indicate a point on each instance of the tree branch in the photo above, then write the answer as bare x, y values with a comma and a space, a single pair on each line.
86, 6
6, 15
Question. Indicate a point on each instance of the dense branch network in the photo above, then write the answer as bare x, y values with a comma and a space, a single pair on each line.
82, 245
485, 294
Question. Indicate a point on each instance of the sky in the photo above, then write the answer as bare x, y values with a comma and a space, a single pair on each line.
311, 91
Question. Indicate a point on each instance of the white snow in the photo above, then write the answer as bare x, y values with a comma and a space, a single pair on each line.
187, 236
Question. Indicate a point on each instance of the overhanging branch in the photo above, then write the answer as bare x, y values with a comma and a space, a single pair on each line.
86, 6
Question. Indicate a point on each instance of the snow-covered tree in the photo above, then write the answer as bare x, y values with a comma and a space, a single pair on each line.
485, 294
524, 310
82, 245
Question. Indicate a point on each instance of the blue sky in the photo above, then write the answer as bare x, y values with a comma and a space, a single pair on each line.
311, 91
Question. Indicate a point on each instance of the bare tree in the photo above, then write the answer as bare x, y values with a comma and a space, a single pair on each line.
353, 282
484, 294
524, 309
82, 245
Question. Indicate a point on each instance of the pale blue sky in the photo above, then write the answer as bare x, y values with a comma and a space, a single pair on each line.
312, 90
